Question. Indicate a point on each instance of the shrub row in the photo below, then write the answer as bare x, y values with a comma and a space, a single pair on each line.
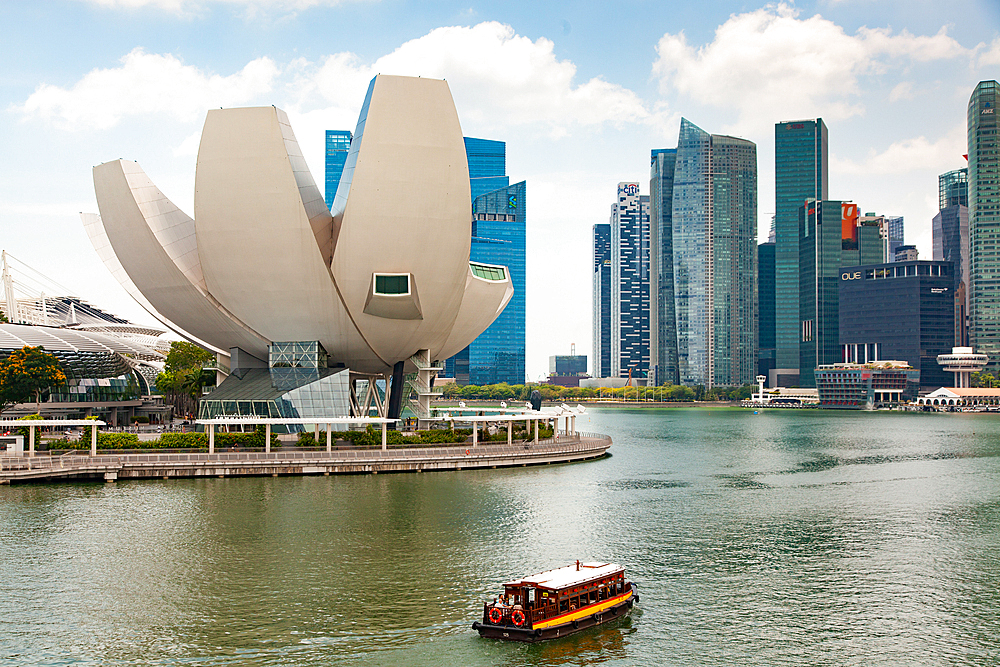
175, 440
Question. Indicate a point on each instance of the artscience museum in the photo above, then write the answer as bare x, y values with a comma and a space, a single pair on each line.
310, 306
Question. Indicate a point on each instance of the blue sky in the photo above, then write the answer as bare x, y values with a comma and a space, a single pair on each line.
579, 91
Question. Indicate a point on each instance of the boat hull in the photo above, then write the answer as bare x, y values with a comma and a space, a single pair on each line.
516, 634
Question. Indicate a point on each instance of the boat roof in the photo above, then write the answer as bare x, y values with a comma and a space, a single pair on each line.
564, 577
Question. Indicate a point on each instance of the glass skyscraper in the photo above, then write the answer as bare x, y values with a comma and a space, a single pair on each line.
630, 283
800, 173
338, 144
498, 237
714, 222
950, 235
894, 235
984, 222
602, 300
663, 321
765, 308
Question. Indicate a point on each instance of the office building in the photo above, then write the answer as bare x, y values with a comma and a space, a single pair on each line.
663, 322
602, 300
630, 283
566, 370
984, 223
832, 236
765, 309
905, 253
338, 144
950, 234
714, 223
894, 236
498, 238
900, 311
800, 173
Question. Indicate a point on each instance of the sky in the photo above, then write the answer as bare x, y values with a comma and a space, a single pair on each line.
581, 92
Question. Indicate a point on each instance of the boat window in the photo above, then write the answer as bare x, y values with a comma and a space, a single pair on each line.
564, 605
593, 596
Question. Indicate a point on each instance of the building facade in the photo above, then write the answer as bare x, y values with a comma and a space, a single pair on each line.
801, 172
602, 300
714, 223
894, 237
900, 311
630, 283
663, 320
866, 386
984, 222
832, 236
765, 309
950, 242
499, 237
338, 145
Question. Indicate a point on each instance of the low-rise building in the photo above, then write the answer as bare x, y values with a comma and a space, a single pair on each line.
867, 386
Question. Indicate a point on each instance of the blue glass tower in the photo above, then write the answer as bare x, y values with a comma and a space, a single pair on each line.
602, 300
663, 321
498, 237
630, 283
338, 144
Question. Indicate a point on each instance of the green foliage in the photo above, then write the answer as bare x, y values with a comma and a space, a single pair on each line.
555, 393
184, 356
25, 373
176, 440
140, 419
986, 380
372, 437
3, 317
23, 430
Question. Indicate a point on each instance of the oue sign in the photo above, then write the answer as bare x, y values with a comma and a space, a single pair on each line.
851, 276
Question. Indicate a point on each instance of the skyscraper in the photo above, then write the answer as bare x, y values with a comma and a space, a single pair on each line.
662, 319
832, 238
984, 222
765, 308
714, 222
894, 235
950, 234
602, 300
338, 143
498, 237
630, 283
800, 173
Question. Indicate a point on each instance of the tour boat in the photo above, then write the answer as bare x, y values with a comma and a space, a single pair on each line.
558, 602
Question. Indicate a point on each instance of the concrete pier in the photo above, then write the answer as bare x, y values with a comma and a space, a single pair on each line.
118, 467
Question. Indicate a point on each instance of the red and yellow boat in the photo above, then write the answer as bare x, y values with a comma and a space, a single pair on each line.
558, 602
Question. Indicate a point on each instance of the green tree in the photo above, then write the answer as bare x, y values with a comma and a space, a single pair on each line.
26, 373
183, 375
3, 317
184, 356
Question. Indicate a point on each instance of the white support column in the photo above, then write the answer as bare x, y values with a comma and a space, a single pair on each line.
329, 439
475, 434
574, 424
267, 438
385, 437
536, 431
316, 432
211, 438
510, 427
31, 441
93, 440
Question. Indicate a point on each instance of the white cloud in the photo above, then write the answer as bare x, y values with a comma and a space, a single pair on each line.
902, 91
990, 54
769, 64
147, 84
908, 155
498, 78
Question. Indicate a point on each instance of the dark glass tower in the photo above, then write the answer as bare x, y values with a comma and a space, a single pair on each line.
338, 144
950, 233
499, 238
984, 223
714, 224
833, 238
765, 308
800, 173
662, 324
630, 283
602, 300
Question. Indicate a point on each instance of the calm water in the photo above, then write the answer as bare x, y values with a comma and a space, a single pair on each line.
788, 537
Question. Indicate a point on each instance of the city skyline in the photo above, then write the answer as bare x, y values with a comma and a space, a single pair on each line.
579, 114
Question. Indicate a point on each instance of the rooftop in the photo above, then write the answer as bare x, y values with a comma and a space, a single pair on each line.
564, 577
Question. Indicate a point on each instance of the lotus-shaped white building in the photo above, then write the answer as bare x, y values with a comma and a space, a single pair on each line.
264, 270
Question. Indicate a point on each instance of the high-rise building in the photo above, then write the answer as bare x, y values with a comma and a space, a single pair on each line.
338, 144
984, 222
498, 238
630, 283
953, 188
833, 237
950, 234
662, 319
894, 235
602, 300
714, 222
902, 311
765, 308
800, 173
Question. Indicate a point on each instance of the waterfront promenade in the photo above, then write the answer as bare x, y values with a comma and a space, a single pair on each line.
157, 465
